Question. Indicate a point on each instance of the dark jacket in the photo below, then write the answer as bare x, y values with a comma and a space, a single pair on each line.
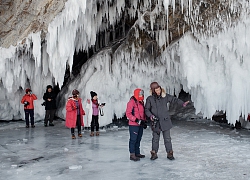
158, 106
49, 105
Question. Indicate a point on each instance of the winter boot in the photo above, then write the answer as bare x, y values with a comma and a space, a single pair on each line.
27, 126
140, 155
133, 157
97, 133
79, 135
153, 155
51, 124
45, 125
33, 126
73, 136
92, 134
170, 155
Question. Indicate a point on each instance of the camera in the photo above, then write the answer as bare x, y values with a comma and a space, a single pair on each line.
103, 104
44, 103
26, 103
155, 120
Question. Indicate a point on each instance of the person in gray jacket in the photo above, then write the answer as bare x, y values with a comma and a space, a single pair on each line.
156, 109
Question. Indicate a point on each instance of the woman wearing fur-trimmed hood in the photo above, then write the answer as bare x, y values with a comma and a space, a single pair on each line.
156, 109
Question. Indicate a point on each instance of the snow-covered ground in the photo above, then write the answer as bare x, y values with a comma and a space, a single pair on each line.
203, 150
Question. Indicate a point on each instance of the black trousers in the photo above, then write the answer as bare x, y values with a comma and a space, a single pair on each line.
78, 124
49, 116
29, 113
94, 123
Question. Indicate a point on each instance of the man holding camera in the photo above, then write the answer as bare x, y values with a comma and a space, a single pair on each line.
27, 100
156, 109
50, 106
137, 121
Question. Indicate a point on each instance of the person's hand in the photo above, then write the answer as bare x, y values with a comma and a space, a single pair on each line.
49, 99
25, 102
185, 103
88, 101
152, 117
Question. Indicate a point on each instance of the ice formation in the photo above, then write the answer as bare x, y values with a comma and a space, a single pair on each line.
211, 63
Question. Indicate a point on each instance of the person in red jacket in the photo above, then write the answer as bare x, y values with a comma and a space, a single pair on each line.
27, 100
137, 121
74, 113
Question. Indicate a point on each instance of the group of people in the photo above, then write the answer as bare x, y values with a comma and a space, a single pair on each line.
49, 98
156, 109
74, 110
75, 113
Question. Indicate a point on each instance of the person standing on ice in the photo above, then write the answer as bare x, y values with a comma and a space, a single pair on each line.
28, 101
50, 106
137, 121
74, 113
93, 113
156, 109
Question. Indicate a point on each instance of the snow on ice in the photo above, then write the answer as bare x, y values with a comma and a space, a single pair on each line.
203, 149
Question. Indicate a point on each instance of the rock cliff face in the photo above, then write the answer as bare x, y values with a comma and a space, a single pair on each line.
19, 18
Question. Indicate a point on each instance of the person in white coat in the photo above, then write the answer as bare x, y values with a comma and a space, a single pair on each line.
93, 113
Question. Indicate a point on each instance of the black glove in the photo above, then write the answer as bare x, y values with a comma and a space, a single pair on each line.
138, 121
144, 124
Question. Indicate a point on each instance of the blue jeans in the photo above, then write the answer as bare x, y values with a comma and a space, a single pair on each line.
135, 138
29, 112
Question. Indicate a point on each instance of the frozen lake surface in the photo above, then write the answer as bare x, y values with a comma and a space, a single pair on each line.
203, 150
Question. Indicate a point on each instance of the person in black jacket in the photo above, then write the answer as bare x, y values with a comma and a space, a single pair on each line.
156, 109
50, 106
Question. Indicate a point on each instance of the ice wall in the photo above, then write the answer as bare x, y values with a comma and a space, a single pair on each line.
216, 71
212, 65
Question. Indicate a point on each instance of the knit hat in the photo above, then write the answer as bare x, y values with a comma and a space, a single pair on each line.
92, 93
137, 93
75, 92
49, 87
27, 90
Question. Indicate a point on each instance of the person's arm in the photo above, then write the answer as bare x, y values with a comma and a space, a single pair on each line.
34, 96
70, 106
23, 99
148, 108
53, 96
175, 100
129, 110
45, 97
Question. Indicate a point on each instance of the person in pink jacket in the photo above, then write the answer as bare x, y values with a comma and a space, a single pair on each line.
74, 113
137, 121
